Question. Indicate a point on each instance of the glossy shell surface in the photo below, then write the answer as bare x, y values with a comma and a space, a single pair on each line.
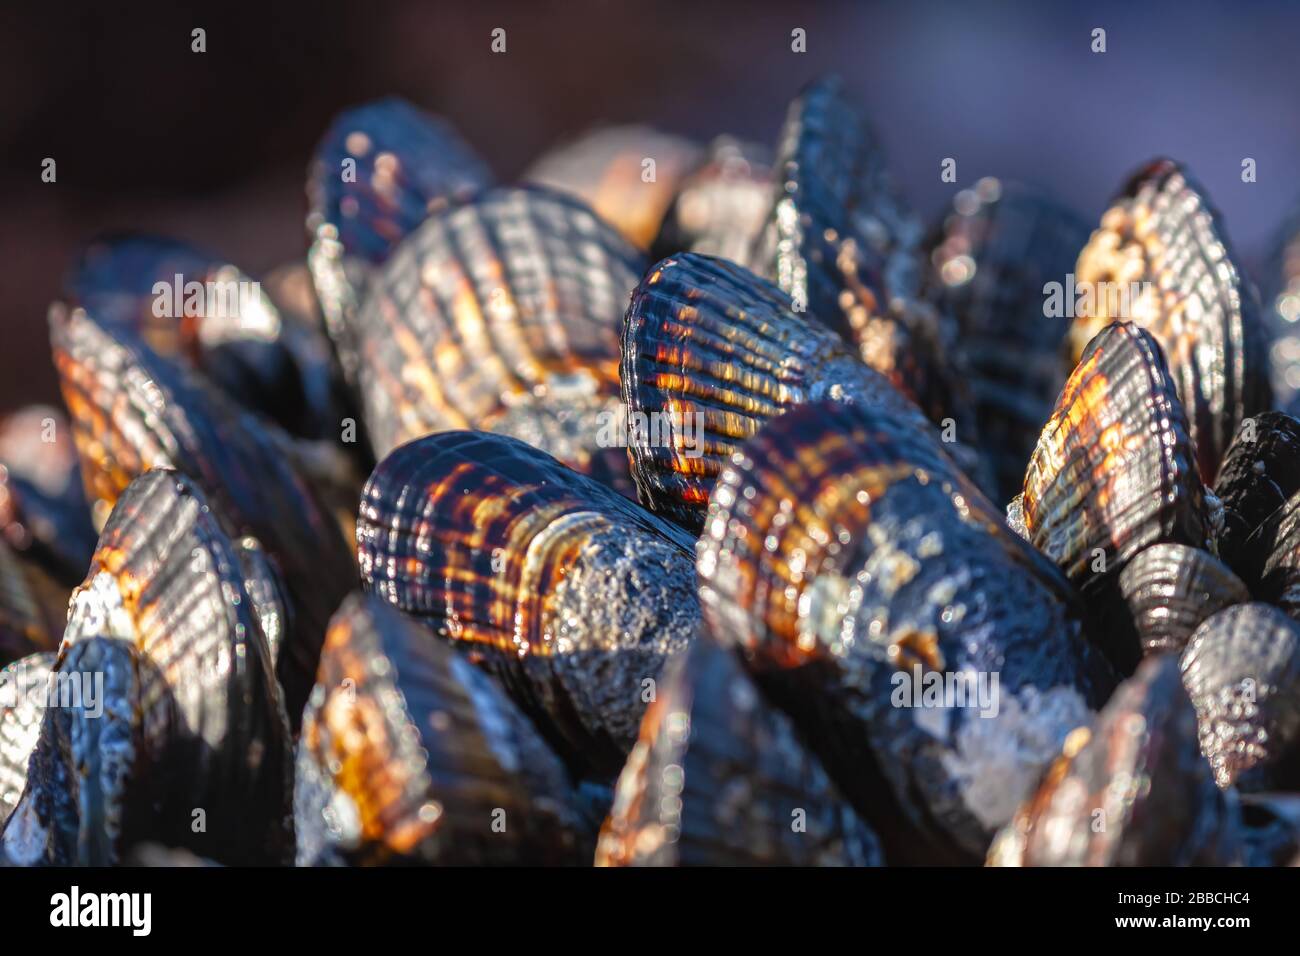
572, 594
721, 778
1132, 790
1242, 671
1161, 259
379, 171
502, 314
710, 353
855, 566
410, 754
999, 246
1171, 588
1114, 470
132, 411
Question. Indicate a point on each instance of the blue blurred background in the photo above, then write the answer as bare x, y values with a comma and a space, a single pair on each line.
212, 147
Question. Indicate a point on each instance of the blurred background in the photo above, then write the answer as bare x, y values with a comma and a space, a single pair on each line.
213, 147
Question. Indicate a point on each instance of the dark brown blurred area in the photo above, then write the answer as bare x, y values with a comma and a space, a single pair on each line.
213, 147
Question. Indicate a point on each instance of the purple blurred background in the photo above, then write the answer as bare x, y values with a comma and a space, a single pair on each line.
212, 147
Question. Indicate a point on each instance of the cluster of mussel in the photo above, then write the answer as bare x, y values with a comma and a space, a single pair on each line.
678, 544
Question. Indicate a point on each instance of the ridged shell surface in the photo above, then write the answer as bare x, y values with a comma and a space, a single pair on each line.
502, 314
132, 411
1242, 671
1161, 259
721, 778
23, 697
1114, 470
379, 171
410, 754
710, 353
168, 580
858, 571
1131, 791
997, 249
572, 594
1171, 588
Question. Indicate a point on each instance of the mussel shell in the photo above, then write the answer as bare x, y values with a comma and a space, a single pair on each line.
607, 169
988, 264
1193, 298
1259, 474
720, 778
721, 207
710, 353
1242, 671
168, 580
410, 754
1171, 588
1114, 472
502, 314
1131, 791
22, 708
833, 186
571, 594
132, 410
90, 789
380, 170
1277, 543
847, 556
843, 245
115, 764
27, 623
236, 337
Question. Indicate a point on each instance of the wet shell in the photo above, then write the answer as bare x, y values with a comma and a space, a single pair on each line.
1132, 791
1260, 472
852, 563
1170, 589
1162, 235
379, 171
720, 778
1242, 671
88, 795
27, 620
410, 754
988, 265
501, 315
22, 708
132, 411
1277, 541
841, 243
167, 581
1114, 472
833, 186
627, 174
220, 323
722, 206
571, 594
710, 353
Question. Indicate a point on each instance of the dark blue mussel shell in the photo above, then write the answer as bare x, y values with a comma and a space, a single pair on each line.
721, 778
853, 565
571, 594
